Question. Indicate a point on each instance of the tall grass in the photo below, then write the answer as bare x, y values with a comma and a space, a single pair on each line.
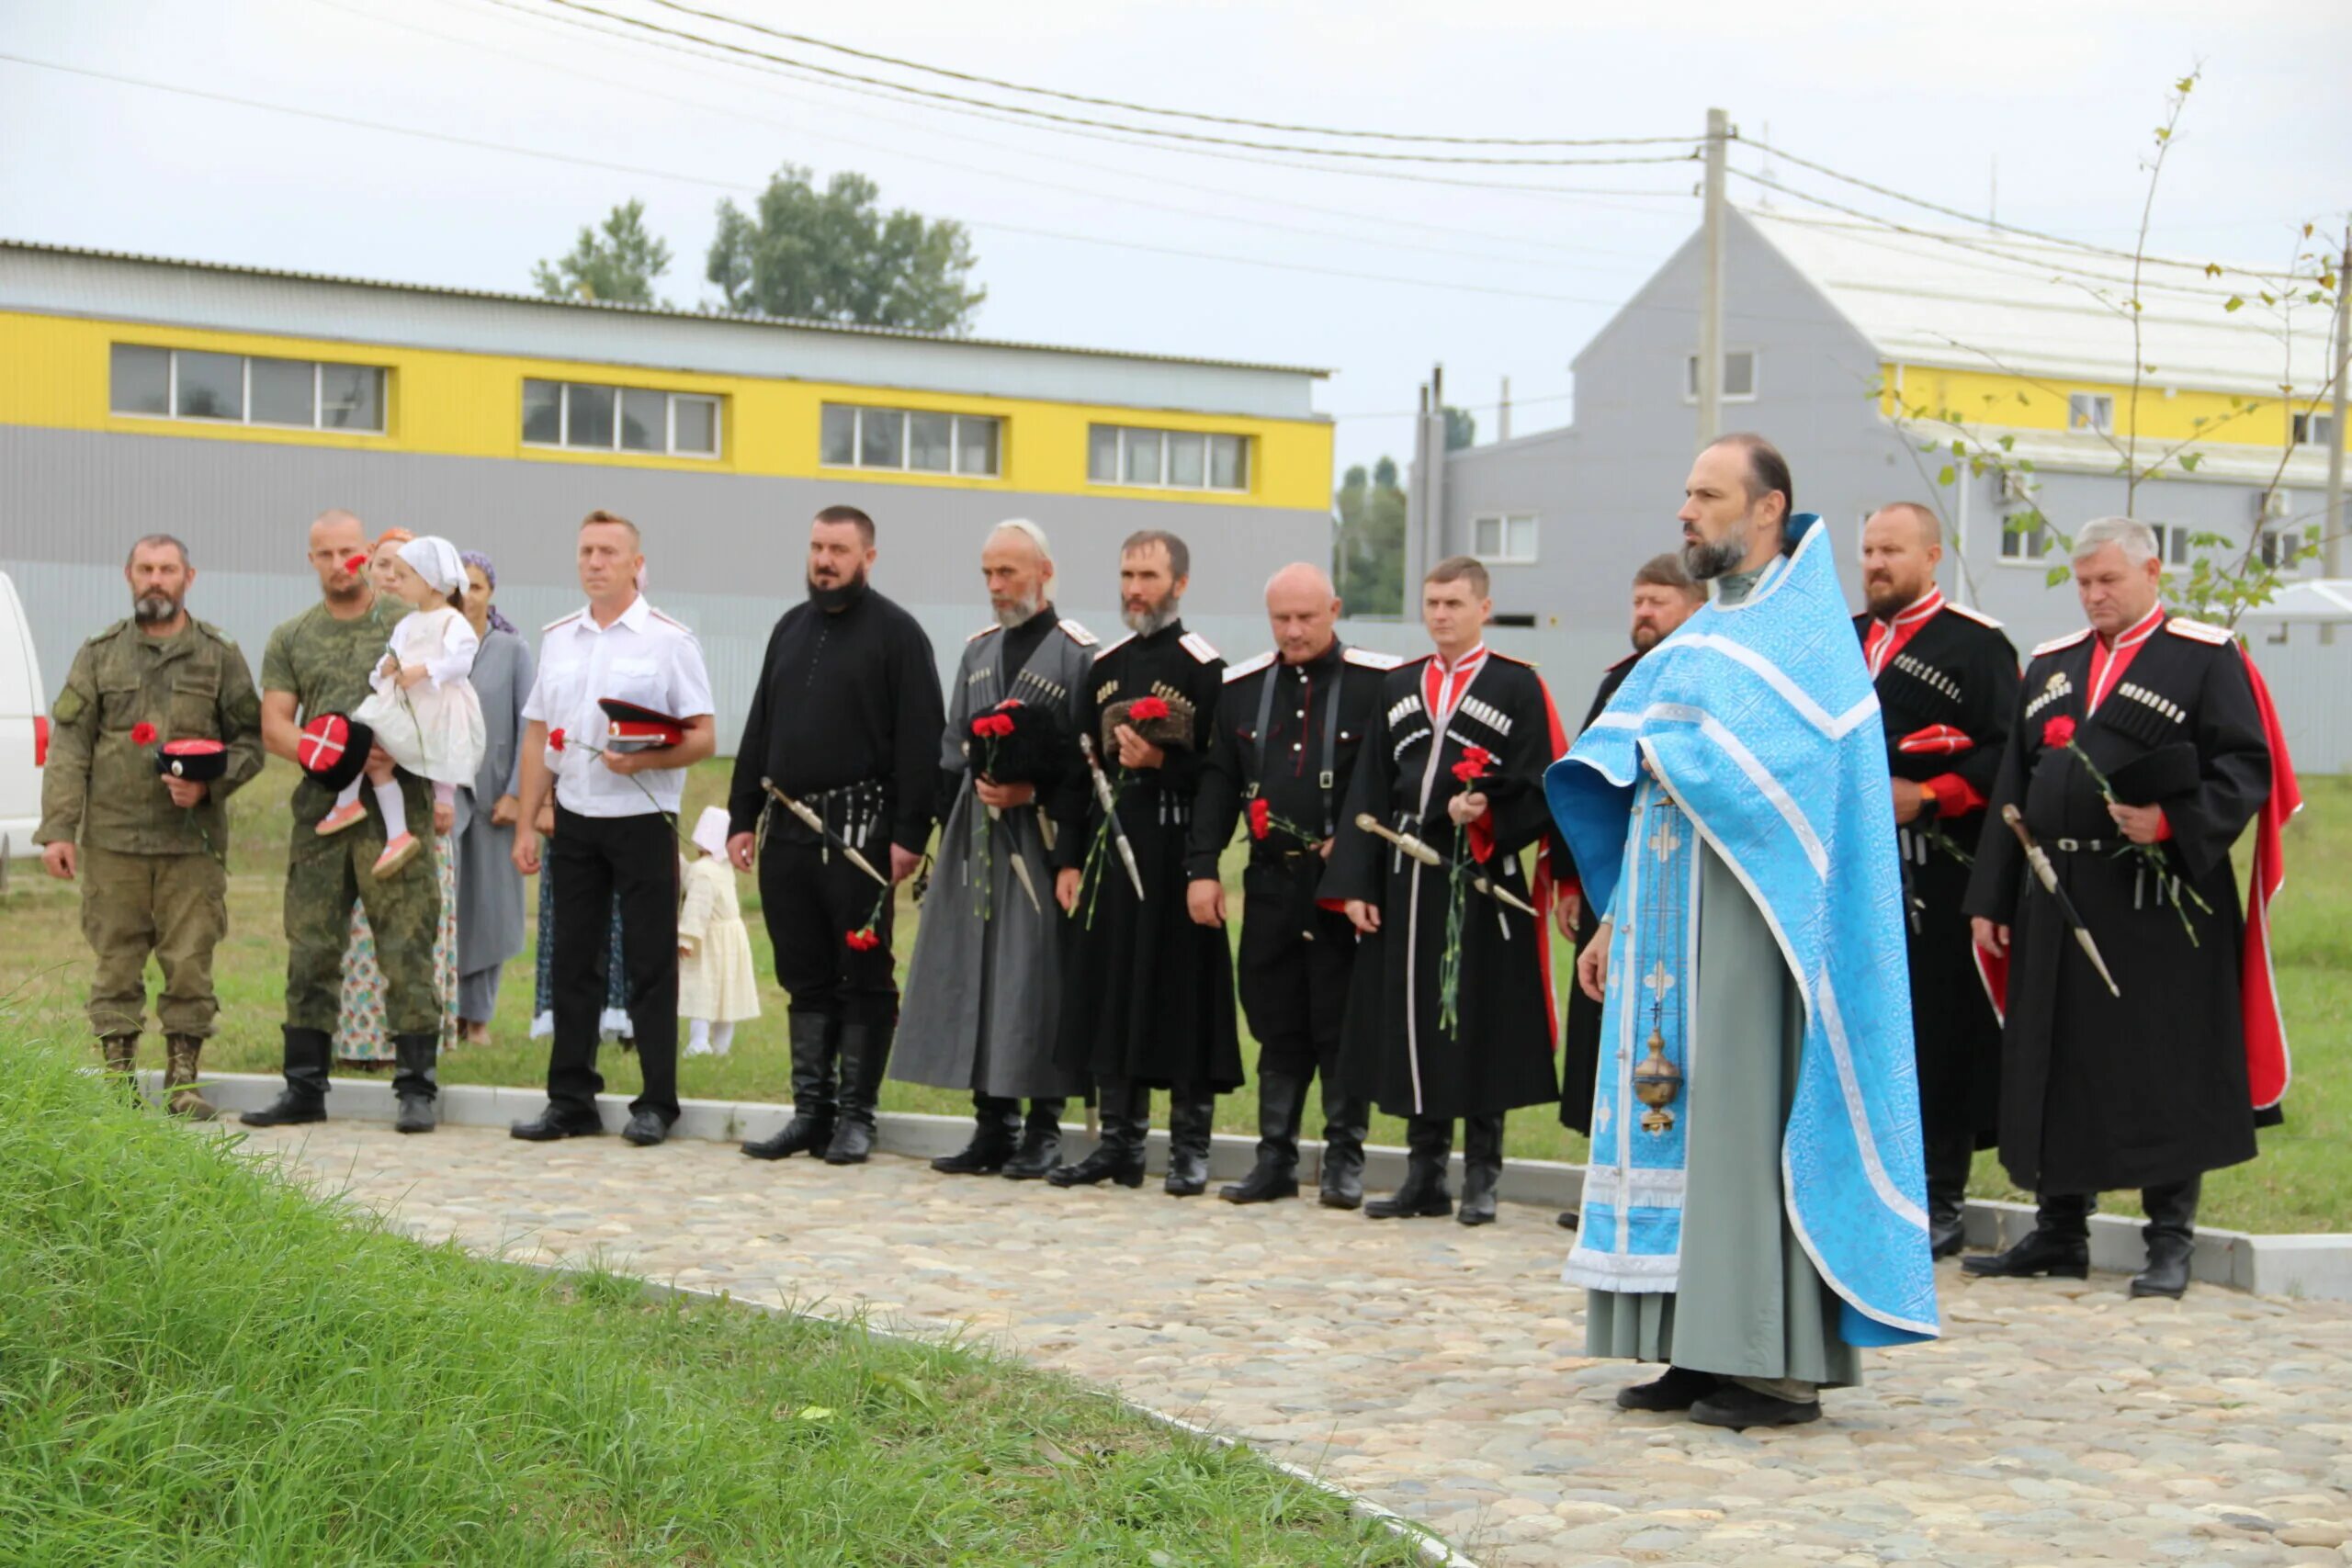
199, 1363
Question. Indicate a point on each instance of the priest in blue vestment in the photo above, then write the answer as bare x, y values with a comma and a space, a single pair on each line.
1754, 1209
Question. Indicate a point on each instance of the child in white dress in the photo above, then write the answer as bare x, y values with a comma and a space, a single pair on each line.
716, 985
423, 707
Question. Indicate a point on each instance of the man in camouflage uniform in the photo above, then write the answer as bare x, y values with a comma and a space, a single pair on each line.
318, 663
150, 852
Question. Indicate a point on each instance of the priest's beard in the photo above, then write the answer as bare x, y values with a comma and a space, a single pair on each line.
1706, 561
1018, 610
1143, 622
153, 609
839, 597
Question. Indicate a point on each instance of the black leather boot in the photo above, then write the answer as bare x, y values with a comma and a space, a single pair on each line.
995, 1132
1429, 1142
1191, 1122
1041, 1142
2059, 1245
1345, 1122
1118, 1156
865, 1052
811, 1130
2171, 1234
1949, 1156
304, 1098
1282, 1101
412, 1081
1482, 1168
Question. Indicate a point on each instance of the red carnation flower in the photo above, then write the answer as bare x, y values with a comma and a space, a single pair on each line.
2059, 731
1476, 761
555, 739
990, 726
1261, 815
862, 940
1147, 707
355, 565
142, 735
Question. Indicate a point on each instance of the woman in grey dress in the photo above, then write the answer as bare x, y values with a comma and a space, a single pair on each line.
489, 890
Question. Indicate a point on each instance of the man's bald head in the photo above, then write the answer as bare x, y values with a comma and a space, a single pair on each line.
1903, 543
336, 537
1301, 607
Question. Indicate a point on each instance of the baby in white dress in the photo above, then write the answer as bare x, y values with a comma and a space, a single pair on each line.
423, 707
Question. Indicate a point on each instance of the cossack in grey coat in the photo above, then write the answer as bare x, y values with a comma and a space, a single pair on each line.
489, 890
984, 989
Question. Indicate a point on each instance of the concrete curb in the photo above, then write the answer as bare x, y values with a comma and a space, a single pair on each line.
2316, 1266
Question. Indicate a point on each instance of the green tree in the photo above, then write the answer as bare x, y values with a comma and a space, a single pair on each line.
1461, 428
1371, 511
834, 256
618, 263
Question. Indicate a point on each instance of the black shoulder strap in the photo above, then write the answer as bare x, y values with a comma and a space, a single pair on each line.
1327, 777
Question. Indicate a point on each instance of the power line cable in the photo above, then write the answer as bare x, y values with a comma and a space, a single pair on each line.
1585, 196
2108, 251
1156, 133
1056, 92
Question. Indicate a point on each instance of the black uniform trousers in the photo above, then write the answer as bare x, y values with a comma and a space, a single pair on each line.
596, 860
1294, 962
812, 898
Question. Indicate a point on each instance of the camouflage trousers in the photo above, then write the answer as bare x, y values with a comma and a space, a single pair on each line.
322, 877
175, 906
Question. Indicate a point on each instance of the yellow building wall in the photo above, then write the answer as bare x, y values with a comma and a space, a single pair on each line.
54, 373
1993, 398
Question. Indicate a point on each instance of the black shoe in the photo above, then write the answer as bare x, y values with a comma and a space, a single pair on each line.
1282, 1100
646, 1129
852, 1140
416, 1114
2042, 1252
1430, 1144
555, 1123
1739, 1408
1680, 1389
2171, 1234
293, 1108
985, 1154
1482, 1168
1567, 1220
1041, 1144
811, 1127
1119, 1156
413, 1081
1947, 1157
1267, 1181
1345, 1122
1946, 1241
865, 1051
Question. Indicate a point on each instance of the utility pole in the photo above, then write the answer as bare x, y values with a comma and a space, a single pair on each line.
2331, 540
1502, 413
1433, 521
1711, 284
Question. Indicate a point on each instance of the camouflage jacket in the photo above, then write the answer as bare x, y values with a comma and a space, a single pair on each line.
100, 788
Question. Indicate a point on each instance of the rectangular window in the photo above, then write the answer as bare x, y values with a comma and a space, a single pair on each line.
1509, 536
2090, 410
2024, 545
2314, 430
235, 388
2172, 543
2286, 549
1166, 459
1740, 377
589, 418
850, 436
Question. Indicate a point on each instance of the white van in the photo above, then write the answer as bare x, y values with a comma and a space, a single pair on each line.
24, 727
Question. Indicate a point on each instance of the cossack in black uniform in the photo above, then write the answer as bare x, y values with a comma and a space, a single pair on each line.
1288, 735
1947, 682
1148, 996
846, 719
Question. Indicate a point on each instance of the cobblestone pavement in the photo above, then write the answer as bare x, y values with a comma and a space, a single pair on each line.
1437, 1370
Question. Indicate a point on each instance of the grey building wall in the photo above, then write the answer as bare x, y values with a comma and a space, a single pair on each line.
724, 552
1607, 488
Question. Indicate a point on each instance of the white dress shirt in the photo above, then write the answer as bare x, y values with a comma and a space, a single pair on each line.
644, 657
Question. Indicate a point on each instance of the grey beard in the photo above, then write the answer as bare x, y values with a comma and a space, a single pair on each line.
1151, 621
1020, 611
151, 608
1706, 562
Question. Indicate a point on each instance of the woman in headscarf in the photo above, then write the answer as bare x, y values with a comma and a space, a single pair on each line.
489, 890
360, 1038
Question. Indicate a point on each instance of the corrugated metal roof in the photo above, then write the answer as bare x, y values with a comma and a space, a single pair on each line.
611, 306
1988, 301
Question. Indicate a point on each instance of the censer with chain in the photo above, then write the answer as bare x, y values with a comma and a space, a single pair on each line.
1658, 1082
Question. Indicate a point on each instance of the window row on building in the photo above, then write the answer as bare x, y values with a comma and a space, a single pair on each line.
2282, 547
588, 416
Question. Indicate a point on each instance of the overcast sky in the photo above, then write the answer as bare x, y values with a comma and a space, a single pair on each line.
2060, 94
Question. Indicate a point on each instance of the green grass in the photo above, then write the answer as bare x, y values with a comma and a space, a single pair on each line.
2303, 1182
200, 1363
